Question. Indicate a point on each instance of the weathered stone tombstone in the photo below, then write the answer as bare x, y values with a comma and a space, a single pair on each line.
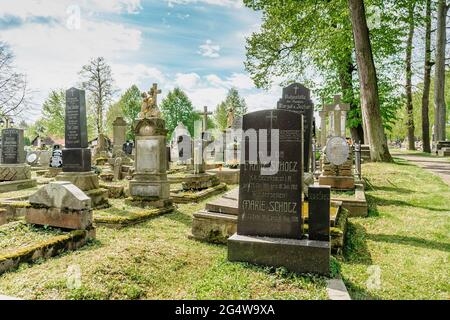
76, 154
180, 131
60, 204
270, 223
119, 136
117, 167
150, 186
297, 98
339, 111
14, 172
184, 147
337, 165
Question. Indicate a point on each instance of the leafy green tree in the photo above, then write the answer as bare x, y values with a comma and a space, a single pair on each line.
130, 106
53, 113
235, 102
176, 107
220, 116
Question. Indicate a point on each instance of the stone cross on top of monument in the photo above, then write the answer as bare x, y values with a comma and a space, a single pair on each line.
205, 114
339, 110
149, 108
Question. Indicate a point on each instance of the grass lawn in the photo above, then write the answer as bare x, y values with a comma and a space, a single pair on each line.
156, 260
407, 236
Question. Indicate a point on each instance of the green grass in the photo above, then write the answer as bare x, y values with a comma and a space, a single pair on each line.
15, 236
156, 260
406, 236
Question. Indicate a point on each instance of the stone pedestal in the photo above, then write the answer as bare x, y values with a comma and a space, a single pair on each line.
76, 160
150, 185
14, 172
338, 177
301, 256
444, 152
87, 182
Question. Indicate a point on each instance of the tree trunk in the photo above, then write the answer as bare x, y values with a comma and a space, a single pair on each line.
370, 104
427, 82
439, 81
346, 81
409, 104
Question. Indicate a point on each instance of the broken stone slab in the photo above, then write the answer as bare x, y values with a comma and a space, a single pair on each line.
61, 195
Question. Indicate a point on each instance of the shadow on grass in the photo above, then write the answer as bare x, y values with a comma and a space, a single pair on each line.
410, 241
375, 201
394, 189
358, 292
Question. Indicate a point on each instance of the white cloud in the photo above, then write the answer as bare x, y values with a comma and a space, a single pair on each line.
58, 9
223, 3
187, 80
210, 50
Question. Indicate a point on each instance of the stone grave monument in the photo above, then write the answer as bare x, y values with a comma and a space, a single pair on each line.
76, 156
15, 174
297, 98
179, 131
60, 204
149, 186
270, 224
337, 165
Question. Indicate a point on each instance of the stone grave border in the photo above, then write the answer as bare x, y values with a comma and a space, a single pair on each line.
73, 240
118, 222
180, 196
357, 206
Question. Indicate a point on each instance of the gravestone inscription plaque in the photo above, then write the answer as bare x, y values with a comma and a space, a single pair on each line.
319, 212
270, 190
296, 98
337, 151
12, 146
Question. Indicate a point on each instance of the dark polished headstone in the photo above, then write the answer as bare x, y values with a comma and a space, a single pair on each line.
12, 146
76, 155
76, 160
76, 124
296, 98
319, 212
270, 201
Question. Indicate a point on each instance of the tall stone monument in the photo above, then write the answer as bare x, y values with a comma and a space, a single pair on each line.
119, 136
270, 222
15, 174
297, 98
149, 186
76, 156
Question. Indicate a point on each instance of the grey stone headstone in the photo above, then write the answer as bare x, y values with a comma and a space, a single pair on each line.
270, 203
12, 146
184, 143
337, 151
296, 98
319, 213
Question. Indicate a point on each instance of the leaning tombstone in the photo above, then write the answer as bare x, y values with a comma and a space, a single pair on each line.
270, 223
15, 174
76, 156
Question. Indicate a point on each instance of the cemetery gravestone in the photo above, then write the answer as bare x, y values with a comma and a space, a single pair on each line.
14, 172
296, 98
319, 213
76, 155
270, 224
119, 136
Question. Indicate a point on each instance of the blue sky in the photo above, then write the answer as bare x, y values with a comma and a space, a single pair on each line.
198, 45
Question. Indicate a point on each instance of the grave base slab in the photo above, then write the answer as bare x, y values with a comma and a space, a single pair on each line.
55, 217
213, 227
338, 183
14, 172
300, 256
197, 196
8, 186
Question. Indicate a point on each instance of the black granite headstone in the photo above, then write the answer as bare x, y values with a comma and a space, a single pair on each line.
12, 146
319, 213
76, 155
76, 124
296, 98
270, 202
